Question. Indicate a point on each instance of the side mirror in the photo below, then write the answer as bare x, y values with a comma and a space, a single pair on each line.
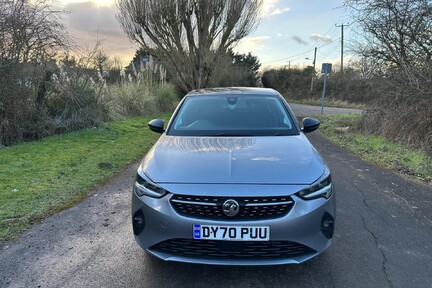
310, 124
157, 125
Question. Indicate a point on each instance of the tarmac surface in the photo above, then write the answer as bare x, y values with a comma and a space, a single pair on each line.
308, 110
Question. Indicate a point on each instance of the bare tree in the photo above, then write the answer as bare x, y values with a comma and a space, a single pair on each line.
30, 31
398, 32
397, 40
190, 36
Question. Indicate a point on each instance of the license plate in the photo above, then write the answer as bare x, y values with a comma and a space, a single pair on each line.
234, 233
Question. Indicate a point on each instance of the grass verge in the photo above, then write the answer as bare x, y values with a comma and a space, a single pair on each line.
375, 149
40, 178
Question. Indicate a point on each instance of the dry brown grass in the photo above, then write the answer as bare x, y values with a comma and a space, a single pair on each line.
401, 112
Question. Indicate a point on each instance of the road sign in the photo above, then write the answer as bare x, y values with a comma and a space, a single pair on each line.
326, 68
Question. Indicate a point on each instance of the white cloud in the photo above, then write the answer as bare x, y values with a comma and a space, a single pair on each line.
279, 34
268, 5
299, 40
99, 3
269, 8
278, 11
319, 37
251, 44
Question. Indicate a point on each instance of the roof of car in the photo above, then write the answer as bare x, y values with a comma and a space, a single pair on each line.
234, 90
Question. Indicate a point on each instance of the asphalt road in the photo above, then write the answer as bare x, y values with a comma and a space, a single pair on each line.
308, 110
383, 238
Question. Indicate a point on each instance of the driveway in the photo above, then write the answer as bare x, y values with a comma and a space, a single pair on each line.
309, 110
383, 238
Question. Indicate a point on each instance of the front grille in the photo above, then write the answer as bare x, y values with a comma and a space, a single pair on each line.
238, 250
251, 208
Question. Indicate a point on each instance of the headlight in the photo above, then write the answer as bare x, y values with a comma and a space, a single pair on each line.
144, 186
321, 188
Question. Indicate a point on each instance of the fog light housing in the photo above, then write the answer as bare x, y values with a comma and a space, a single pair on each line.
327, 225
138, 222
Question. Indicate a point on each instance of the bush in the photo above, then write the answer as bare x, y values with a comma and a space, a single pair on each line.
19, 110
295, 84
401, 111
133, 99
141, 92
398, 101
40, 100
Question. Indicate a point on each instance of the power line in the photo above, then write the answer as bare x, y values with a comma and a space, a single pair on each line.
331, 35
333, 41
327, 33
290, 57
330, 49
297, 55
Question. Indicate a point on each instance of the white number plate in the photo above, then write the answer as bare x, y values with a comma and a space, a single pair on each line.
235, 233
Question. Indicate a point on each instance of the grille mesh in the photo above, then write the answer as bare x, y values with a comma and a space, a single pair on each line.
239, 250
251, 208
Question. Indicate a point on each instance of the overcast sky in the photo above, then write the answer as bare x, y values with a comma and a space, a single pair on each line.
287, 34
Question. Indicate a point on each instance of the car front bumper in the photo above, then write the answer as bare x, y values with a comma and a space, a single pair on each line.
155, 221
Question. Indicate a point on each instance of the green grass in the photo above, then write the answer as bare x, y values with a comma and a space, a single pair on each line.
375, 149
40, 178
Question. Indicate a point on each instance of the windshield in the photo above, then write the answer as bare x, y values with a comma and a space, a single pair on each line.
232, 115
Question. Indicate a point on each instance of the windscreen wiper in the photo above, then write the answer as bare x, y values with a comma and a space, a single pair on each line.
233, 135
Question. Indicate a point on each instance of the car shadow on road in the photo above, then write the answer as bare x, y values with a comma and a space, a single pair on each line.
173, 274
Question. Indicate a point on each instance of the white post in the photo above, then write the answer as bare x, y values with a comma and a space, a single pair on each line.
326, 68
323, 94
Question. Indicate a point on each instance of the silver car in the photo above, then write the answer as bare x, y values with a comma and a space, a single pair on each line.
233, 181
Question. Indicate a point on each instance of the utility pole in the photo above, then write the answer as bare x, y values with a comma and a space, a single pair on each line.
342, 42
313, 72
